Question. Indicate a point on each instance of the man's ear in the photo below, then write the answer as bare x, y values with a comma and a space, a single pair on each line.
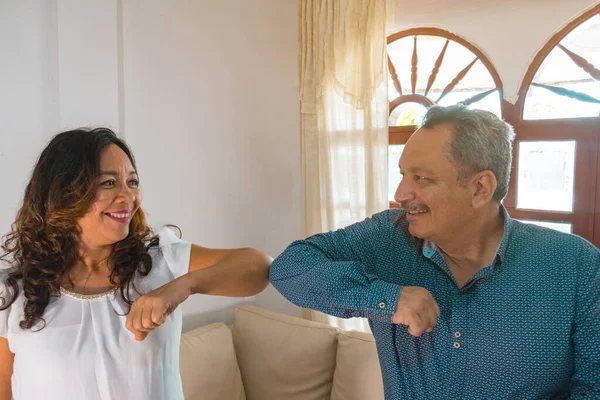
484, 185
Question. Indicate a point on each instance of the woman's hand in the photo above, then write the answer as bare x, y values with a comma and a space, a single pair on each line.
151, 310
235, 272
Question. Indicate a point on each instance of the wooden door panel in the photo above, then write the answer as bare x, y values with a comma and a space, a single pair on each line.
583, 132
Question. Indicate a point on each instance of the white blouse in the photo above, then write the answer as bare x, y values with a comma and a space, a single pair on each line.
85, 351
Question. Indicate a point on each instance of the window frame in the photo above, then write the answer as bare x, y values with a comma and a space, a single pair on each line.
400, 134
585, 217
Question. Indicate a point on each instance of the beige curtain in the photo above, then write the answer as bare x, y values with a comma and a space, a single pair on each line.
344, 113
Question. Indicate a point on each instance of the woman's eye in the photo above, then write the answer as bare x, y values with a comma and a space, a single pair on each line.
134, 182
108, 183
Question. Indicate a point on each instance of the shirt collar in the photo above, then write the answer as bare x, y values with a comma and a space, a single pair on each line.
430, 249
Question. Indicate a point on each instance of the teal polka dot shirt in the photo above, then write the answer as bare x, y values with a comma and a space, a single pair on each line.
526, 326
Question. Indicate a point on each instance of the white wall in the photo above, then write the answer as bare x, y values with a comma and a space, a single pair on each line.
509, 32
28, 100
212, 113
204, 91
58, 71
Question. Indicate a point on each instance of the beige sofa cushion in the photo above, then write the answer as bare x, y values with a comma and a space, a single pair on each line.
283, 357
357, 372
209, 369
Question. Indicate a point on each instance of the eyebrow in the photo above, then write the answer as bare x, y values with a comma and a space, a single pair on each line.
419, 170
115, 173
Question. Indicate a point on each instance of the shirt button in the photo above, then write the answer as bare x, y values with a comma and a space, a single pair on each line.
457, 334
381, 305
456, 345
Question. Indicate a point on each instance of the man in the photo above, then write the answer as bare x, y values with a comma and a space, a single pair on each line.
464, 302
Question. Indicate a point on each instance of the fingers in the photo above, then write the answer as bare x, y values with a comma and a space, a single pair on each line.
158, 316
417, 309
416, 326
421, 323
438, 313
146, 322
431, 315
146, 314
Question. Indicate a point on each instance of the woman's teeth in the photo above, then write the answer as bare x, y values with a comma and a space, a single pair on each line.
124, 215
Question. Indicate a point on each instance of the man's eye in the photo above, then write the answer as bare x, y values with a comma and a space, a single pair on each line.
419, 178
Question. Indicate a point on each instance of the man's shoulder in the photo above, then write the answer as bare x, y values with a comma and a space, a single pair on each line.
390, 217
386, 228
532, 238
390, 220
379, 230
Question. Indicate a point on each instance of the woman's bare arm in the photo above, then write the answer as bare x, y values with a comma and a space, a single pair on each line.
6, 369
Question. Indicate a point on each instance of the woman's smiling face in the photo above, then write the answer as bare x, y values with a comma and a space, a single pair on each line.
117, 199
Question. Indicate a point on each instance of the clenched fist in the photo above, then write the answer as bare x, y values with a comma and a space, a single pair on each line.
151, 310
416, 309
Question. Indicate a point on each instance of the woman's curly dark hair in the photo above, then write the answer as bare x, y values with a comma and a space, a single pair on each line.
43, 242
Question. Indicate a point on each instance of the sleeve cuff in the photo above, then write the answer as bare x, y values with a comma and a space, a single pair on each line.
382, 300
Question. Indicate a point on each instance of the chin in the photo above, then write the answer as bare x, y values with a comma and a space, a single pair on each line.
418, 233
413, 231
118, 236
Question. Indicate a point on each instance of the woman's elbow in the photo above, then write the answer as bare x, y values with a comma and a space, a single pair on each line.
258, 269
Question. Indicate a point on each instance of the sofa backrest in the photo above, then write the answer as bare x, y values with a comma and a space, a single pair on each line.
357, 371
208, 365
272, 356
283, 357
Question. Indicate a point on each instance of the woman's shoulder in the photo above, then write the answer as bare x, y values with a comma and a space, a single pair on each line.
171, 252
9, 289
8, 302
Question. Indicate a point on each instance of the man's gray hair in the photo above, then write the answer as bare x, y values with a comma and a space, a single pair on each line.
481, 142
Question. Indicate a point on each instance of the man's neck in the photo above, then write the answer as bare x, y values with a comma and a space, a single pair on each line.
475, 246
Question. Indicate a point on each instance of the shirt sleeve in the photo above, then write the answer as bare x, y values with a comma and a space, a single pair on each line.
325, 273
4, 314
175, 251
585, 383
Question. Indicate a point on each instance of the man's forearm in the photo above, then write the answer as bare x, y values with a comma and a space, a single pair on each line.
308, 278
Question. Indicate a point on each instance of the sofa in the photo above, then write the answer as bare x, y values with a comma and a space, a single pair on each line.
266, 355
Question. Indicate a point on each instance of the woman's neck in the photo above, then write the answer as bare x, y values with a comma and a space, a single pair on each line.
91, 273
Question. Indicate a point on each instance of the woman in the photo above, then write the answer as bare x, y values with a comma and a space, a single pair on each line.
89, 308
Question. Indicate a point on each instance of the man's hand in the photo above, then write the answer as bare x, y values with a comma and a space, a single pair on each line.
416, 309
151, 310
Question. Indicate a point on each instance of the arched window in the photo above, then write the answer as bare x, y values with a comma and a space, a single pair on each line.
556, 171
567, 83
430, 66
